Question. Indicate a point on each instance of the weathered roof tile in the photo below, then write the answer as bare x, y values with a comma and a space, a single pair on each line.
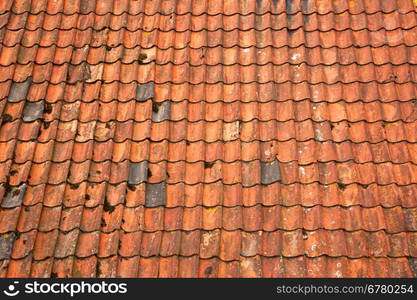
208, 138
33, 111
19, 90
270, 172
138, 172
6, 244
14, 196
155, 194
161, 111
145, 91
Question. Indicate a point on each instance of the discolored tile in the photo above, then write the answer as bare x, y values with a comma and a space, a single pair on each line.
208, 138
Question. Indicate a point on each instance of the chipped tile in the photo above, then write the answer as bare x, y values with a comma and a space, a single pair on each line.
161, 111
145, 91
14, 196
231, 131
33, 111
6, 244
270, 172
95, 72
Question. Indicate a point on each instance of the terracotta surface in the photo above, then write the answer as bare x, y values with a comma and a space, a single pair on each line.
208, 138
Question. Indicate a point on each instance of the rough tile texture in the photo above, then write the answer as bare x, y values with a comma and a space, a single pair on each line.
209, 138
270, 172
18, 90
155, 194
145, 91
33, 111
13, 196
6, 243
161, 111
138, 172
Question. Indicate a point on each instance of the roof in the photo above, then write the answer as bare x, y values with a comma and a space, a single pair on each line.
208, 138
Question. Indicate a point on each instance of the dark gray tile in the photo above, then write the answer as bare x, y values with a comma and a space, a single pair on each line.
87, 6
290, 6
19, 90
270, 172
138, 172
161, 111
14, 196
145, 91
155, 194
33, 111
308, 6
6, 244
413, 265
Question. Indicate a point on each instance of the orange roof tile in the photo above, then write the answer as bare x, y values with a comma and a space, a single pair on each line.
209, 138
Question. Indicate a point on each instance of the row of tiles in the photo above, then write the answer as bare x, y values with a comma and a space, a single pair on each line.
211, 134
21, 113
329, 74
180, 23
376, 61
229, 142
100, 94
387, 75
337, 196
226, 245
118, 112
210, 7
208, 39
229, 174
109, 218
195, 267
327, 157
